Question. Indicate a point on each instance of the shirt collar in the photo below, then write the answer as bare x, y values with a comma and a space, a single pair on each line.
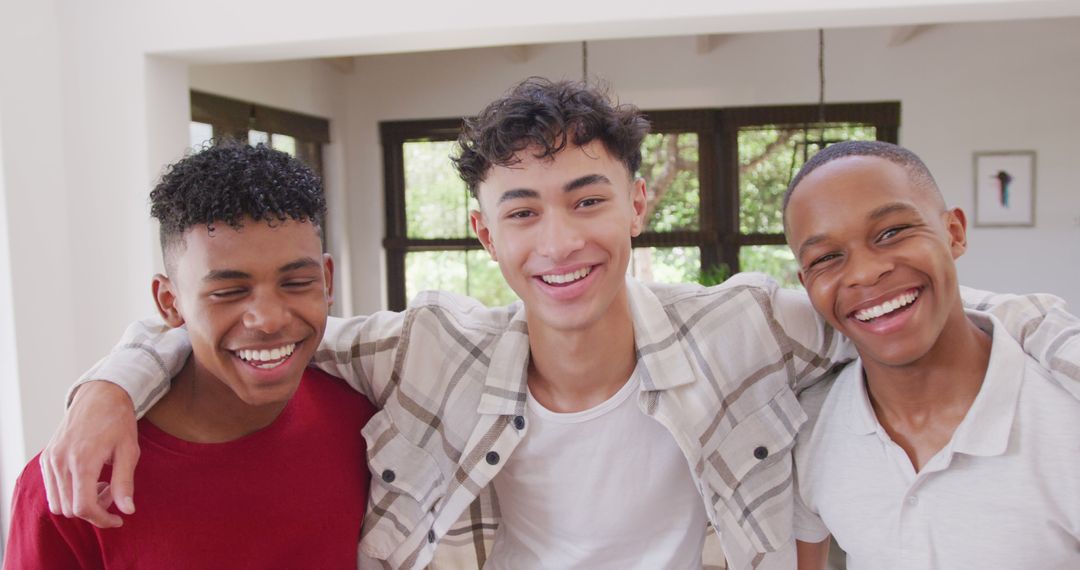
987, 425
505, 385
661, 361
986, 428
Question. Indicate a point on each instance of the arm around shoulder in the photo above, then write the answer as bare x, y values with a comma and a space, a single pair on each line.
1042, 326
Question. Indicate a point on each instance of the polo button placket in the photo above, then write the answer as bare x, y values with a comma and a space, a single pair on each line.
519, 423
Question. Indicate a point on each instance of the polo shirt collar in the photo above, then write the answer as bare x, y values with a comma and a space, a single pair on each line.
987, 425
986, 428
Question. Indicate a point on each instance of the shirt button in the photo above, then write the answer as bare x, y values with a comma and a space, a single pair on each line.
492, 458
431, 536
913, 500
761, 452
388, 476
519, 423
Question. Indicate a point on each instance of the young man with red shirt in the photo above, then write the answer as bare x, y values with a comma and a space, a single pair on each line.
245, 423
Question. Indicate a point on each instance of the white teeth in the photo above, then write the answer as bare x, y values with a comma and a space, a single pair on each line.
566, 278
888, 306
268, 358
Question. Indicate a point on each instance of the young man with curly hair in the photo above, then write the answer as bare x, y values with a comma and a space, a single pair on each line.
245, 422
943, 445
601, 422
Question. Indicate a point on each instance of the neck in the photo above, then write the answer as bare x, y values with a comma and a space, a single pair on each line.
200, 408
571, 371
947, 376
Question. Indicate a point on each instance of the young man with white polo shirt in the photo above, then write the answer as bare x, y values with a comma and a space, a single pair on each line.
943, 445
597, 424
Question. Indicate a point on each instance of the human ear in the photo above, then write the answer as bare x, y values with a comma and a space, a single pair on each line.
483, 232
956, 226
166, 301
328, 278
639, 201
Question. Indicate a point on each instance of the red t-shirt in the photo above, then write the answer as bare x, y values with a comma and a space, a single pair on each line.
291, 495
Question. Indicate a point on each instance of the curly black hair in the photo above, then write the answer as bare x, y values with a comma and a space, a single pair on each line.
230, 181
547, 115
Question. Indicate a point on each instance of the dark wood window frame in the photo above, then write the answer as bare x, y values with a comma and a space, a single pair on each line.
234, 118
717, 237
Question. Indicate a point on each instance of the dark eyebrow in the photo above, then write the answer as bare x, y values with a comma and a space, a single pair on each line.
587, 180
226, 275
231, 274
891, 209
810, 242
302, 263
518, 193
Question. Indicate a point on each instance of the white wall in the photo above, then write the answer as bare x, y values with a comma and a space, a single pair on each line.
962, 87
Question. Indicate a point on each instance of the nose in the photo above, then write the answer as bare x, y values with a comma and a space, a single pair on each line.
560, 236
266, 313
865, 268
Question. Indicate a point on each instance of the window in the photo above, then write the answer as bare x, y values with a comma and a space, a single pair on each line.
715, 180
297, 134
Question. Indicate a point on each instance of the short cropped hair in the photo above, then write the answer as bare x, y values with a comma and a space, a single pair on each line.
230, 181
916, 170
547, 115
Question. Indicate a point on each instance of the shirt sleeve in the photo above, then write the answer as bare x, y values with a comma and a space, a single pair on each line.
1042, 327
39, 539
360, 350
808, 525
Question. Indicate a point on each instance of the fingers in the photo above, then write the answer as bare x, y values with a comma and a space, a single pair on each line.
100, 426
85, 499
52, 494
123, 478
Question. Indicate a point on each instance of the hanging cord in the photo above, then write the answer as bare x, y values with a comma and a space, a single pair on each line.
821, 85
585, 62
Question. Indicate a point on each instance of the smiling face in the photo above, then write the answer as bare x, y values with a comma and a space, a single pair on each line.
560, 230
876, 255
254, 301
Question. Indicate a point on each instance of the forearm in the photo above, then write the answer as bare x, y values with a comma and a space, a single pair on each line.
142, 363
812, 555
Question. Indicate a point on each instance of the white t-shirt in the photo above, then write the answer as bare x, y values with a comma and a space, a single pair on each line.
1003, 493
604, 488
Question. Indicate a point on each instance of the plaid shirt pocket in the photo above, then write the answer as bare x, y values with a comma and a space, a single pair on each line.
406, 482
751, 473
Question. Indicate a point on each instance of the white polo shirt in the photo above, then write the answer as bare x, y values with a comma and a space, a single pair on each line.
1003, 493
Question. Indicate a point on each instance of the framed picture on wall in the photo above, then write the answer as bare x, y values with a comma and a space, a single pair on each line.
1005, 188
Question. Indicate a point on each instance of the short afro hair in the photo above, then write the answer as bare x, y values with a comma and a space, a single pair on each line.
230, 181
916, 170
548, 115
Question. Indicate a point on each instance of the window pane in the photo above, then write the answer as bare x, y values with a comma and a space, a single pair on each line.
258, 137
199, 134
284, 143
769, 157
776, 260
666, 264
437, 202
485, 281
669, 165
470, 273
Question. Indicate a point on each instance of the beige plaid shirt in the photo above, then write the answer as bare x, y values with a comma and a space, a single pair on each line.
719, 369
